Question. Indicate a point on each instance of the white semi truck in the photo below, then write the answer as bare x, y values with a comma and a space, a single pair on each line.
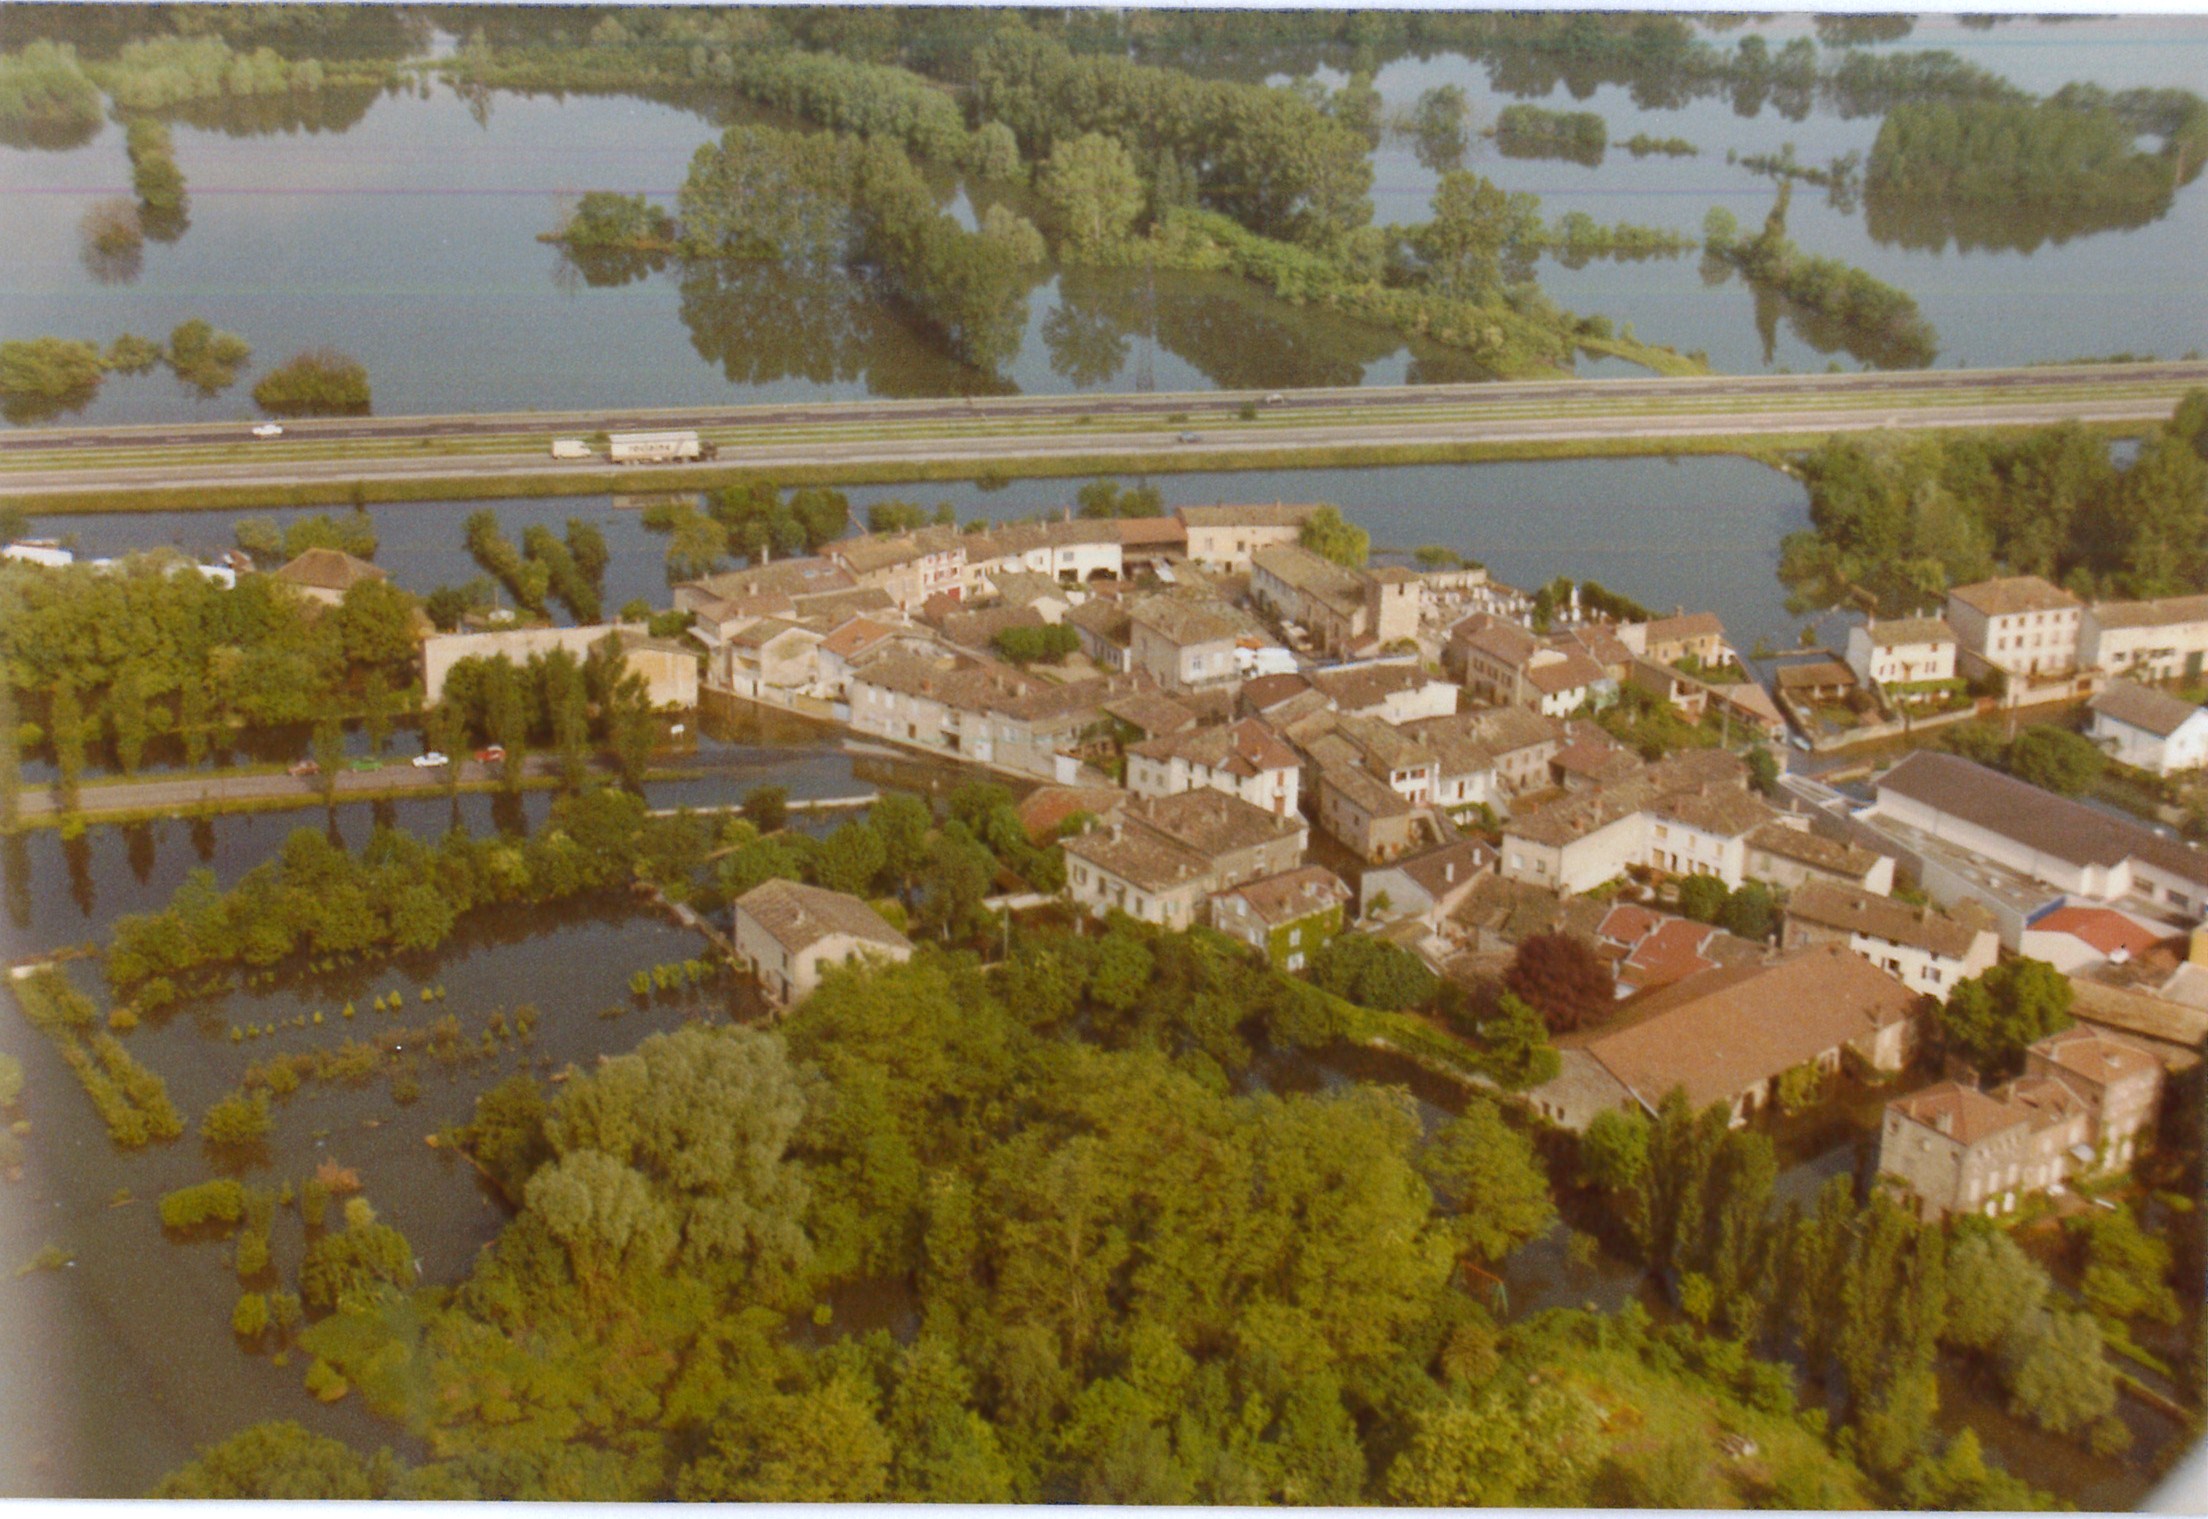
570, 448
656, 447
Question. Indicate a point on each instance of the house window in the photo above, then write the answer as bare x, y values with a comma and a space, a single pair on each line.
1295, 961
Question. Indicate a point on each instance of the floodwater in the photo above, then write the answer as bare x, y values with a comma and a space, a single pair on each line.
402, 228
1696, 532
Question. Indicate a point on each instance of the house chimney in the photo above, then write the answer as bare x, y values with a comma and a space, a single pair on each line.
1449, 872
2198, 952
1945, 1123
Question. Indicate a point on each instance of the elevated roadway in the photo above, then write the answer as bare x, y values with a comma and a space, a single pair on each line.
1002, 432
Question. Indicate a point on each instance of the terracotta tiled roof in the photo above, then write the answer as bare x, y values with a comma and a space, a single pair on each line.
1899, 632
1669, 953
1812, 849
1163, 842
797, 916
2143, 707
1291, 895
1270, 690
1557, 676
857, 634
1961, 1113
2105, 929
1363, 687
1848, 910
1103, 617
2093, 1056
784, 577
1152, 532
1181, 621
873, 552
1273, 515
1046, 808
1446, 867
329, 570
1152, 712
1721, 1032
1691, 625
2166, 612
1823, 672
2017, 593
1244, 749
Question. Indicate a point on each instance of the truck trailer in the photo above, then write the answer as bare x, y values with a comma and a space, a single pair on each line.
656, 447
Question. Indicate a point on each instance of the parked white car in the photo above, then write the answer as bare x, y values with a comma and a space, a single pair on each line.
430, 761
269, 430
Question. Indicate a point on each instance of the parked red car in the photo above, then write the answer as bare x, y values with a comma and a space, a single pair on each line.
493, 755
305, 768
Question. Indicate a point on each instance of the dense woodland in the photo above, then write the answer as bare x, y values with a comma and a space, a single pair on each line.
1119, 1272
1899, 520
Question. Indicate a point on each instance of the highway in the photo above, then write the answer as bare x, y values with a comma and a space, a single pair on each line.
1005, 431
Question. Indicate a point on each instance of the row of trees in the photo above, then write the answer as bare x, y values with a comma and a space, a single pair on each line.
1879, 323
1897, 521
397, 894
46, 98
2014, 173
818, 199
1865, 1294
40, 378
1529, 131
135, 652
573, 568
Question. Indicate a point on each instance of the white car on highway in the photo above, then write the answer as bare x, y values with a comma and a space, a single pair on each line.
269, 430
430, 761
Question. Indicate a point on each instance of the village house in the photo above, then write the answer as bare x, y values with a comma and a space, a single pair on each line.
1222, 538
770, 660
1725, 1036
1427, 886
1786, 854
1150, 543
1687, 814
790, 933
1072, 552
2077, 938
1245, 759
669, 669
856, 641
1393, 691
1502, 664
1182, 643
981, 711
1647, 949
1343, 610
2147, 640
1690, 636
1159, 858
1929, 951
323, 576
1949, 815
1106, 631
909, 567
2021, 625
785, 583
2149, 729
1365, 814
1902, 651
2086, 1103
1816, 683
1049, 810
1286, 918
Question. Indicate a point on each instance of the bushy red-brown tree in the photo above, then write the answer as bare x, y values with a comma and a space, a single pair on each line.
1561, 977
